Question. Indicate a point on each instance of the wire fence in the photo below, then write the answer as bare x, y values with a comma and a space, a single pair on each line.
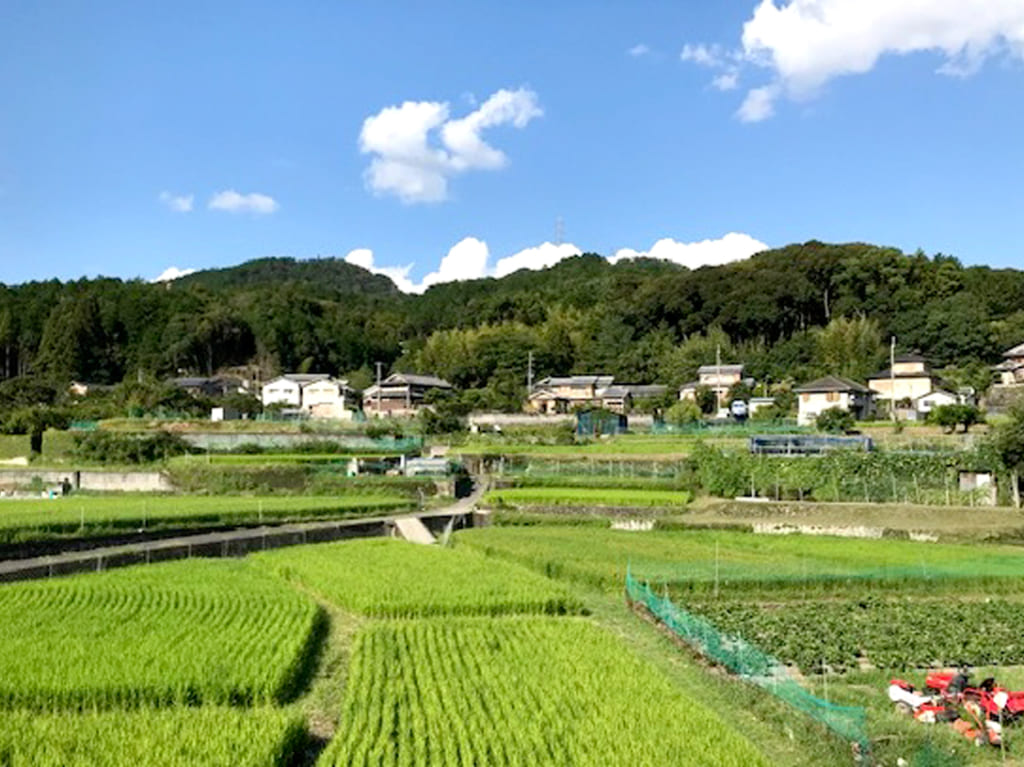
751, 664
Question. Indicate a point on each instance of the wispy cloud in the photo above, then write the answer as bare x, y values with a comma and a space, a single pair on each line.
178, 203
233, 202
638, 50
417, 147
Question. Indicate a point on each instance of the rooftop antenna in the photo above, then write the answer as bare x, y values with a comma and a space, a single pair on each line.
559, 230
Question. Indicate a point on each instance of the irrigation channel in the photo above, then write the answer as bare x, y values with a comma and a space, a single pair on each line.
237, 542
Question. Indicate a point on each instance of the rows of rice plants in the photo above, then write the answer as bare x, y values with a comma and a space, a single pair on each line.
588, 497
515, 692
197, 631
391, 578
600, 557
23, 520
175, 737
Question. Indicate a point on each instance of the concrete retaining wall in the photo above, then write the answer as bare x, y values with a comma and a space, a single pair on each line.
101, 481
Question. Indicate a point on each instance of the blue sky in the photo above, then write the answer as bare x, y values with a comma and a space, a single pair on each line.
135, 137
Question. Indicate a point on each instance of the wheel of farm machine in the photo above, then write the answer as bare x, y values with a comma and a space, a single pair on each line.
905, 709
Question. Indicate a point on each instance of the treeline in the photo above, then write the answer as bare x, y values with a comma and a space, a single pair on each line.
790, 314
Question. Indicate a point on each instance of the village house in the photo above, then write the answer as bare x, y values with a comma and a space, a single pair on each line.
401, 394
718, 378
820, 395
1011, 369
316, 394
207, 386
917, 388
562, 394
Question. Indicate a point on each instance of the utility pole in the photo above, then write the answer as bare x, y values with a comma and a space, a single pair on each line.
892, 377
529, 374
718, 376
379, 366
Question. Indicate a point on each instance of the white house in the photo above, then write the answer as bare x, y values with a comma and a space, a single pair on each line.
933, 399
832, 392
318, 394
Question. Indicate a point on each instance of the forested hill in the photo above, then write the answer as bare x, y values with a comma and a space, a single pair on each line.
325, 277
788, 313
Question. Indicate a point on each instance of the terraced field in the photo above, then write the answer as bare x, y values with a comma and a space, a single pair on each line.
519, 691
24, 520
600, 556
390, 578
211, 736
199, 631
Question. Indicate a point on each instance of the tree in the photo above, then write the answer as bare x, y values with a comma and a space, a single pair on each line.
1008, 442
683, 413
853, 347
34, 421
706, 399
951, 416
835, 420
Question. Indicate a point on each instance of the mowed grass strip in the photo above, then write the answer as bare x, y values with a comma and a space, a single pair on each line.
391, 578
23, 520
176, 737
198, 631
588, 497
519, 691
600, 557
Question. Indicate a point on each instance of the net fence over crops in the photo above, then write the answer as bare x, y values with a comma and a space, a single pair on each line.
750, 663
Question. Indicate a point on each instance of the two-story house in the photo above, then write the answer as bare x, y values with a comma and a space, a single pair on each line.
317, 394
817, 396
560, 394
719, 378
401, 394
917, 389
1011, 369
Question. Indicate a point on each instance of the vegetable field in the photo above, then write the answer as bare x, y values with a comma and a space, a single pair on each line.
516, 692
23, 520
888, 633
389, 578
210, 736
588, 497
199, 631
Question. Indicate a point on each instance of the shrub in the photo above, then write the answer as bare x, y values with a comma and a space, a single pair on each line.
114, 447
835, 420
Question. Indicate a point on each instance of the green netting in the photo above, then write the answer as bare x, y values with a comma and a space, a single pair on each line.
750, 663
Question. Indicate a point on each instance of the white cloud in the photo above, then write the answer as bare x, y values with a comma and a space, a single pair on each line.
466, 260
417, 147
469, 258
759, 104
727, 81
171, 273
732, 247
397, 274
177, 203
540, 257
805, 44
233, 202
704, 55
638, 50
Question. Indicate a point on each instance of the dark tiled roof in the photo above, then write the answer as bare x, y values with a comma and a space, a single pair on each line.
832, 383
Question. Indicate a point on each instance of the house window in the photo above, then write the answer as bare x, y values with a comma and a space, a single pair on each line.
832, 396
